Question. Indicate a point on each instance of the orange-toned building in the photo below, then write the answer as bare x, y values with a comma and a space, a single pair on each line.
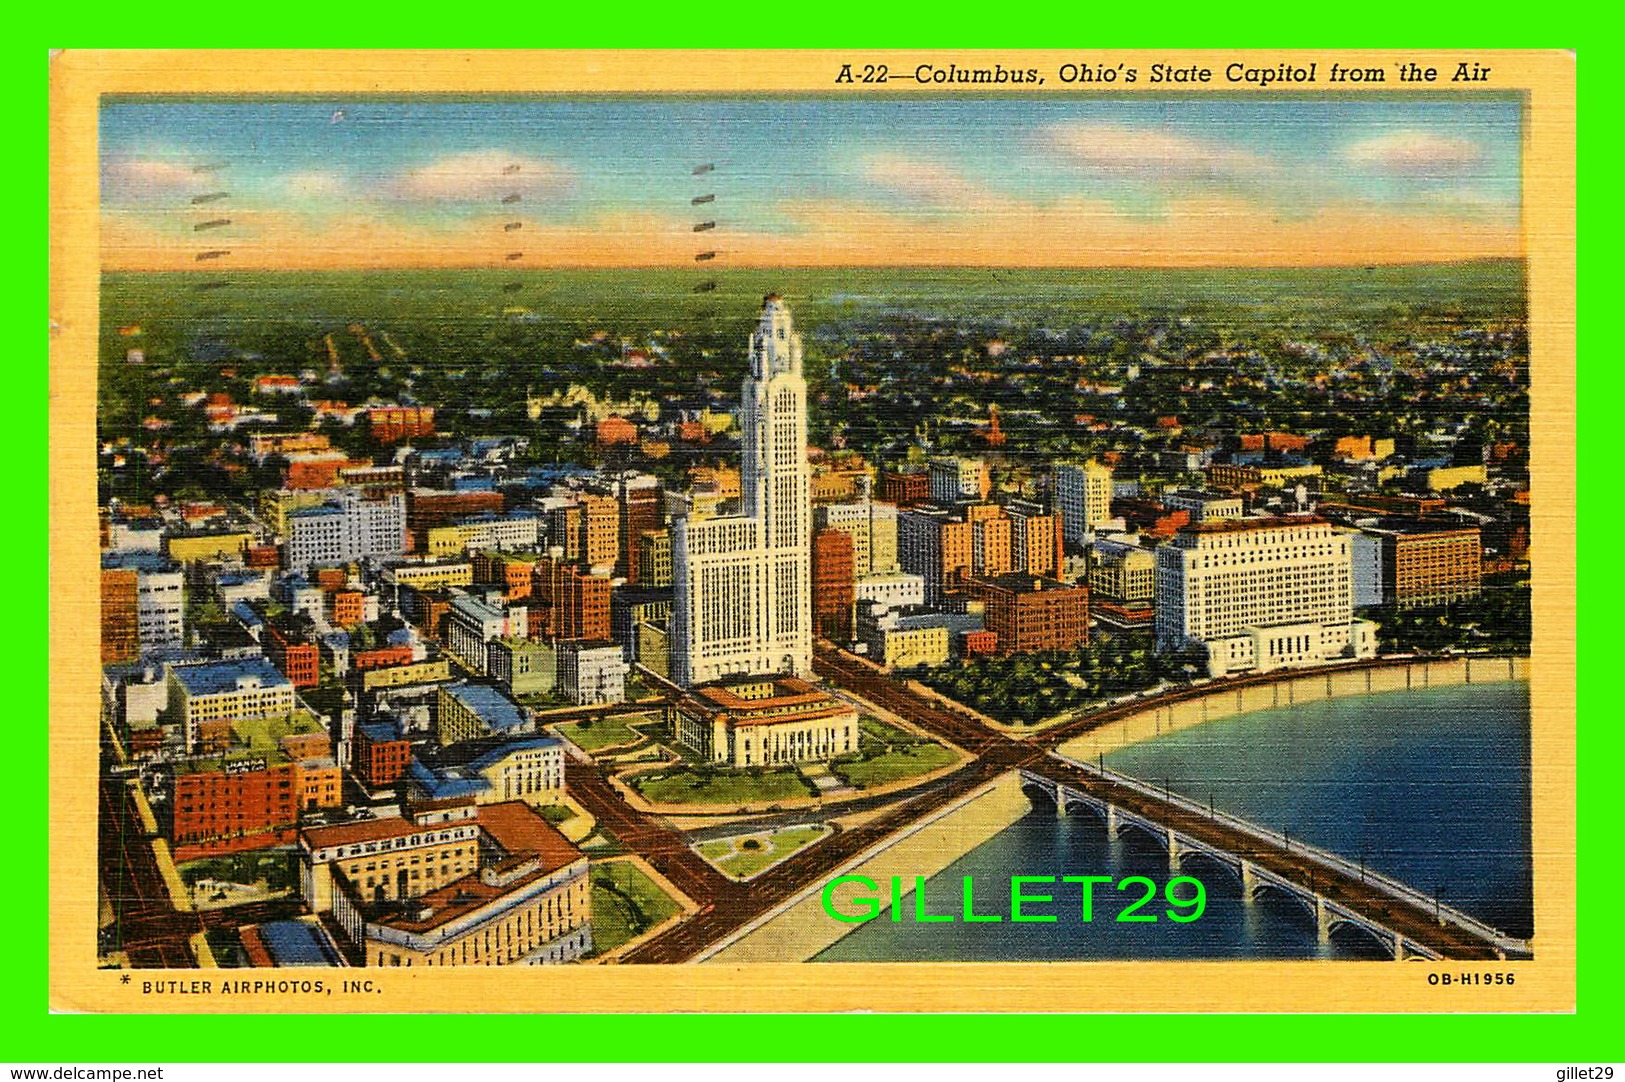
379, 755
304, 474
616, 430
347, 608
381, 657
1029, 613
833, 583
299, 661
1429, 561
904, 489
512, 574
392, 424
640, 514
121, 620
600, 529
577, 603
251, 796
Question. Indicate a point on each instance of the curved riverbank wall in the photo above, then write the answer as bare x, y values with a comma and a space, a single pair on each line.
800, 929
1303, 687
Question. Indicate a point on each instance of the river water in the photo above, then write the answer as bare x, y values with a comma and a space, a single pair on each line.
1428, 786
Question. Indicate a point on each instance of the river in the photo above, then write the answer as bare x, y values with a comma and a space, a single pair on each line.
1428, 786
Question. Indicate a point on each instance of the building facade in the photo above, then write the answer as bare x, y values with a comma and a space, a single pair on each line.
1029, 613
352, 525
1083, 496
765, 722
1260, 594
743, 589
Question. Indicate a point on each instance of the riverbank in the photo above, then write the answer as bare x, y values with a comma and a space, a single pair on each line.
1298, 687
800, 929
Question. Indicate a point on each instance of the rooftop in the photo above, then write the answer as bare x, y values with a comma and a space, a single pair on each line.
137, 560
1245, 525
218, 677
530, 846
490, 705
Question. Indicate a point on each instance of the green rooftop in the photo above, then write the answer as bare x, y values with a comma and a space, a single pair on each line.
256, 738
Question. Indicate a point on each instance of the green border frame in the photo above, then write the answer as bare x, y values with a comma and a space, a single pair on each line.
33, 1034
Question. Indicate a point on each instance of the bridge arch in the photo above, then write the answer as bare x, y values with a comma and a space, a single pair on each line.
1042, 797
1186, 855
1357, 935
1088, 807
1125, 824
1265, 888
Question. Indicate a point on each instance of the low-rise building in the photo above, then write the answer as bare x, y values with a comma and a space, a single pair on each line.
251, 793
1122, 584
454, 885
431, 670
764, 722
207, 696
380, 754
472, 623
1030, 613
523, 666
501, 532
1202, 504
898, 643
465, 711
527, 768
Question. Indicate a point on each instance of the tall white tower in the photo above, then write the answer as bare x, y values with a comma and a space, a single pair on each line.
743, 584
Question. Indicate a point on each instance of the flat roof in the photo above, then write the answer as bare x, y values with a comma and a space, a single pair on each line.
296, 943
1243, 525
137, 560
216, 677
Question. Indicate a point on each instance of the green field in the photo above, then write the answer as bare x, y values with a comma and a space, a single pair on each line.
598, 733
747, 854
887, 754
625, 904
706, 785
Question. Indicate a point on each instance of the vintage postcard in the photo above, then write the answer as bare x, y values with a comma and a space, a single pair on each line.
813, 531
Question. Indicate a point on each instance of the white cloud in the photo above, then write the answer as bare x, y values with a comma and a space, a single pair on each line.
1414, 151
929, 182
1151, 151
138, 177
482, 176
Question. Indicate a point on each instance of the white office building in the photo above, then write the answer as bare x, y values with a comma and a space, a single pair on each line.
160, 597
1261, 594
351, 525
473, 623
1083, 497
592, 673
742, 600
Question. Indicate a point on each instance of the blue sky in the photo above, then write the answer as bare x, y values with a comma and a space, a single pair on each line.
1089, 180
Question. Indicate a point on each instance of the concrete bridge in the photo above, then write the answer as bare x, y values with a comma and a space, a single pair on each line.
1336, 893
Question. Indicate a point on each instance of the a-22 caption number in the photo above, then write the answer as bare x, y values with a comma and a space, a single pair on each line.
865, 73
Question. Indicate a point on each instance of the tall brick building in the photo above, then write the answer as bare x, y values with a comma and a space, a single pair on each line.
833, 584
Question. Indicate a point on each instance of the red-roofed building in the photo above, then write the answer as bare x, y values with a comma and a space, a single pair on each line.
453, 885
616, 430
765, 721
